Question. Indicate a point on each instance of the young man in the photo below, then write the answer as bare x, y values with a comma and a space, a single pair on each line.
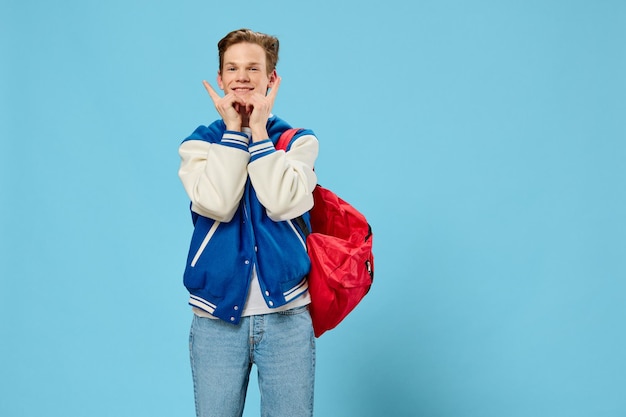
247, 264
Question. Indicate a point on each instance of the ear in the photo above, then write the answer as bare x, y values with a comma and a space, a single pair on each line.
220, 84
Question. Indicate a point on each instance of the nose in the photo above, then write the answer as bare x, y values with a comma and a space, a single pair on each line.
242, 75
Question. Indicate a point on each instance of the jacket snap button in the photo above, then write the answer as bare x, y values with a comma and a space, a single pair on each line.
271, 303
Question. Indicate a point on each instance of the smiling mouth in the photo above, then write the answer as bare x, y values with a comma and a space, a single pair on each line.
242, 90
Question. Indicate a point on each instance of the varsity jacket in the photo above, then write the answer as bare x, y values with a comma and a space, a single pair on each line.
244, 196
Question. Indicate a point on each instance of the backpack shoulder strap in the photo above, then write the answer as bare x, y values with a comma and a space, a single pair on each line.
282, 143
285, 138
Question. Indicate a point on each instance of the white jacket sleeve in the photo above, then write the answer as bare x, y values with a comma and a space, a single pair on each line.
214, 176
284, 181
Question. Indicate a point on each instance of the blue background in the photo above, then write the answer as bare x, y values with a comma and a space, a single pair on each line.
485, 141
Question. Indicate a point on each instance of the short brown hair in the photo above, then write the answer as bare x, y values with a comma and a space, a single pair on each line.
267, 42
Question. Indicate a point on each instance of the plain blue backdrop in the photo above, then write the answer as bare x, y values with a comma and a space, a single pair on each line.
484, 140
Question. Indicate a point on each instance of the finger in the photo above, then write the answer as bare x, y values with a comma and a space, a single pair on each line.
214, 96
272, 94
237, 102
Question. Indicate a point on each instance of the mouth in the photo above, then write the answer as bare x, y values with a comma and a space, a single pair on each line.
242, 90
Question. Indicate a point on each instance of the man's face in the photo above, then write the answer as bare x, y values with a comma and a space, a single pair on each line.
245, 71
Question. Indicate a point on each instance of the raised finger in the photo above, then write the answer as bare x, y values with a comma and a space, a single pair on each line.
214, 96
272, 94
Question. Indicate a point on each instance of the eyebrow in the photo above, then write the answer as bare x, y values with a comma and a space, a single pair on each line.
238, 63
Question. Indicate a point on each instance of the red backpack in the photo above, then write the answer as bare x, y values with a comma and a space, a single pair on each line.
340, 248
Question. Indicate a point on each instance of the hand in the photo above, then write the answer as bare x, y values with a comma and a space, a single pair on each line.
259, 107
231, 107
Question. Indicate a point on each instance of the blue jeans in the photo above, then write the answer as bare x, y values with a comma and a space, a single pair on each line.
281, 345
